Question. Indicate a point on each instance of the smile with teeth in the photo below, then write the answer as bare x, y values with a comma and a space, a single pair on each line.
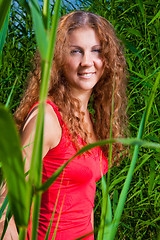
86, 75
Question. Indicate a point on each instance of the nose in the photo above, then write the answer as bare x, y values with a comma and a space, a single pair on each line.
87, 60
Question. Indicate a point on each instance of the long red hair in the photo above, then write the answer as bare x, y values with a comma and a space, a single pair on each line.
113, 82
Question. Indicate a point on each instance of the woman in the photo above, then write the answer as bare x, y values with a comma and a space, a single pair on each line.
88, 66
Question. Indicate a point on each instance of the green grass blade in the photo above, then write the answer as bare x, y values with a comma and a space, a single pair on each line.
46, 14
131, 47
4, 9
106, 209
151, 98
157, 16
50, 224
22, 234
10, 95
140, 3
54, 30
123, 195
35, 171
125, 141
25, 5
55, 230
139, 142
108, 219
135, 32
3, 32
35, 215
124, 191
115, 200
13, 167
7, 219
3, 207
151, 176
36, 162
40, 33
50, 180
106, 212
84, 236
36, 180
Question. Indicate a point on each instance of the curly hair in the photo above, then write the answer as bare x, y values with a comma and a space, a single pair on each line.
113, 82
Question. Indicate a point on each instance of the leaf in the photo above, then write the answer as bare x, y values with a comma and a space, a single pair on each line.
4, 9
115, 200
25, 5
125, 189
7, 219
155, 17
3, 32
10, 95
134, 31
140, 3
50, 224
151, 176
47, 56
131, 47
13, 167
108, 219
106, 212
46, 14
126, 141
152, 96
35, 214
41, 35
3, 207
54, 30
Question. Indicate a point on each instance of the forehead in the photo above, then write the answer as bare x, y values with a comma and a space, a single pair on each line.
85, 36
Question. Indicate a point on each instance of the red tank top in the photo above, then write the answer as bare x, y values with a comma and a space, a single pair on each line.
74, 190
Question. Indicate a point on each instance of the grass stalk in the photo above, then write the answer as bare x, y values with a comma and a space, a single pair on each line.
22, 234
35, 216
36, 163
4, 9
106, 214
10, 95
124, 191
46, 14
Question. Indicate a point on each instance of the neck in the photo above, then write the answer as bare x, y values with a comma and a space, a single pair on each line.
83, 98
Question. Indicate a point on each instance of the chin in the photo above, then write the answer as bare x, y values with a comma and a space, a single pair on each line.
88, 86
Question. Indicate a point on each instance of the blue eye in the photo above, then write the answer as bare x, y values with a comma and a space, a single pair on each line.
99, 50
76, 51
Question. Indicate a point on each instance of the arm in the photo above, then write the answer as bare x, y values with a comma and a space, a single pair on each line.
11, 232
52, 136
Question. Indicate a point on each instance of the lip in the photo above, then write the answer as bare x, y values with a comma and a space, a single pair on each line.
86, 74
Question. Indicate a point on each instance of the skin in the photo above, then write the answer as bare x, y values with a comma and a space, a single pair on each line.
83, 63
83, 69
11, 232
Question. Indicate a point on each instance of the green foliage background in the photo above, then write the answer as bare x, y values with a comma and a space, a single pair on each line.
138, 26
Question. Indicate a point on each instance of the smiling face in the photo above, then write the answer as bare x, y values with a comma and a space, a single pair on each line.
83, 62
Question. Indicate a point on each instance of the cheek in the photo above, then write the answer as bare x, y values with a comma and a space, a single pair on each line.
100, 65
71, 64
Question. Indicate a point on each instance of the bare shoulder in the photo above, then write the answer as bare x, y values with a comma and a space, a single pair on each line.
52, 127
52, 130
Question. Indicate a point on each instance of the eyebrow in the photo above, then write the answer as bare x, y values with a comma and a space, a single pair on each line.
98, 45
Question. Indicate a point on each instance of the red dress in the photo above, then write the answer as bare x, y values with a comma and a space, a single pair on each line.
74, 189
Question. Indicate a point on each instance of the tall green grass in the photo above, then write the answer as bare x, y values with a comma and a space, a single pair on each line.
137, 25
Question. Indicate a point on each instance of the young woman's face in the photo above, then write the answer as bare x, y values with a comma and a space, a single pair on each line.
83, 62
